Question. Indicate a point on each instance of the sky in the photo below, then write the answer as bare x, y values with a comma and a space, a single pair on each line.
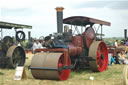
41, 14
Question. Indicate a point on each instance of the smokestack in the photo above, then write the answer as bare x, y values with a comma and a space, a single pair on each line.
29, 35
125, 34
59, 19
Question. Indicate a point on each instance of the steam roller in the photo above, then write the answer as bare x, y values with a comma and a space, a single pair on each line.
12, 55
71, 49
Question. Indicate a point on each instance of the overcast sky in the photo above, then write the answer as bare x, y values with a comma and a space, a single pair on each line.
41, 14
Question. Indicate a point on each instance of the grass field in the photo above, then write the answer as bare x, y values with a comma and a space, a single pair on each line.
112, 76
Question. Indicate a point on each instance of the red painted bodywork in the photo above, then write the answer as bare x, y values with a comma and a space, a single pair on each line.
76, 47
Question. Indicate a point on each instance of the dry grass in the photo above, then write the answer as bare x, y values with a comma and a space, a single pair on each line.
113, 76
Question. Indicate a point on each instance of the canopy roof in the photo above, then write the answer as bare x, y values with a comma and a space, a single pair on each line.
7, 25
83, 21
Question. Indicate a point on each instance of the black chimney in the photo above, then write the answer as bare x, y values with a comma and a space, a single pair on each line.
29, 35
125, 34
59, 19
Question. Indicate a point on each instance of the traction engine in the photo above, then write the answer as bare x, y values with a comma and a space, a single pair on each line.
12, 55
70, 50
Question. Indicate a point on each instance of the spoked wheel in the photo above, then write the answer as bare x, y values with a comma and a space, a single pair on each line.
49, 61
99, 54
16, 56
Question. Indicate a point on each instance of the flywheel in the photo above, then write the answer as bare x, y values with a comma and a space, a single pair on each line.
46, 65
99, 56
6, 43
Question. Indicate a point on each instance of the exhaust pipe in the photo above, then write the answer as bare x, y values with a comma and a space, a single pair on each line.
59, 19
125, 34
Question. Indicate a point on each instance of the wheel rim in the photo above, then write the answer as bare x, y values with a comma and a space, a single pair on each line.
98, 52
64, 74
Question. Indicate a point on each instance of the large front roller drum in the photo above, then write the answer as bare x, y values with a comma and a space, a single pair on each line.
49, 60
16, 56
99, 54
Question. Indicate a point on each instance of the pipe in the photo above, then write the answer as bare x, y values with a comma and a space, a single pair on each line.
125, 34
59, 19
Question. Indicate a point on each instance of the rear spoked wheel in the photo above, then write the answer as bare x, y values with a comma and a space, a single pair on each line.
16, 56
99, 56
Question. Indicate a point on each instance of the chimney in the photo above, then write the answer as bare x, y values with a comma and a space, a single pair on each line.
59, 19
29, 35
125, 34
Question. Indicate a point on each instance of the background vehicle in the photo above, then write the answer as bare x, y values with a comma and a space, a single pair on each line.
12, 55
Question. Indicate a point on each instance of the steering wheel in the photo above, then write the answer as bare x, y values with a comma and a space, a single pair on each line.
20, 36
